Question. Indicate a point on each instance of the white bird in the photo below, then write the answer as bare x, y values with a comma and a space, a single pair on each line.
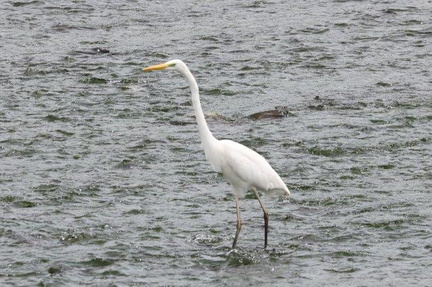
242, 167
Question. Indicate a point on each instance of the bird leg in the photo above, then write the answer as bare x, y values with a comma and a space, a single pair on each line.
239, 223
266, 218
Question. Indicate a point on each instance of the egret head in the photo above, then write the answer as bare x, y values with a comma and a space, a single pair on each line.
173, 64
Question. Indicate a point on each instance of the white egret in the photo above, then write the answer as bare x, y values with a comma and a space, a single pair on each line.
242, 167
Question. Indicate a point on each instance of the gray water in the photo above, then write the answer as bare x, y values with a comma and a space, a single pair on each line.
103, 181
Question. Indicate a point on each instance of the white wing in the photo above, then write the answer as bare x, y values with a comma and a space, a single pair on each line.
245, 168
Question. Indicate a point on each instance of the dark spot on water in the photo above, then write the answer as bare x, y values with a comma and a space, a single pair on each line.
8, 198
98, 262
386, 225
65, 133
46, 188
94, 80
343, 270
135, 212
383, 84
25, 204
356, 170
319, 107
125, 164
326, 152
55, 270
347, 253
387, 166
181, 123
54, 118
278, 112
101, 50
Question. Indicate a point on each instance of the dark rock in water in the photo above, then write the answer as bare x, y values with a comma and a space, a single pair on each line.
56, 269
278, 112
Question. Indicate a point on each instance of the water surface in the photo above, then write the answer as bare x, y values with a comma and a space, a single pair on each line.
103, 180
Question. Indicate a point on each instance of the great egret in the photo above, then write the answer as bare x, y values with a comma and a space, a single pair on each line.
242, 167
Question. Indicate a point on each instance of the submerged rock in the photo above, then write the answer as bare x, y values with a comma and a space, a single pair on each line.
278, 112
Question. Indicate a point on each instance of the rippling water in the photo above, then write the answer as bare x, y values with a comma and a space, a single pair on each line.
103, 181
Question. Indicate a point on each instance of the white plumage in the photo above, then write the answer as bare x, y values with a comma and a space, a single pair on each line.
242, 167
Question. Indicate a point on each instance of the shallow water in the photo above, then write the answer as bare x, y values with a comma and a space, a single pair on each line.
103, 181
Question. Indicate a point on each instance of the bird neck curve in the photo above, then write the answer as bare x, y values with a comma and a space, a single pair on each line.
206, 136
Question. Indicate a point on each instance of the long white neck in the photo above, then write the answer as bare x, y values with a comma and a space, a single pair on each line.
206, 136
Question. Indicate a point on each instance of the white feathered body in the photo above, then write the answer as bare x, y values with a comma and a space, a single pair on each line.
244, 168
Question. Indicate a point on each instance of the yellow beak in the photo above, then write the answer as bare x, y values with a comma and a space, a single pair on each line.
156, 67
